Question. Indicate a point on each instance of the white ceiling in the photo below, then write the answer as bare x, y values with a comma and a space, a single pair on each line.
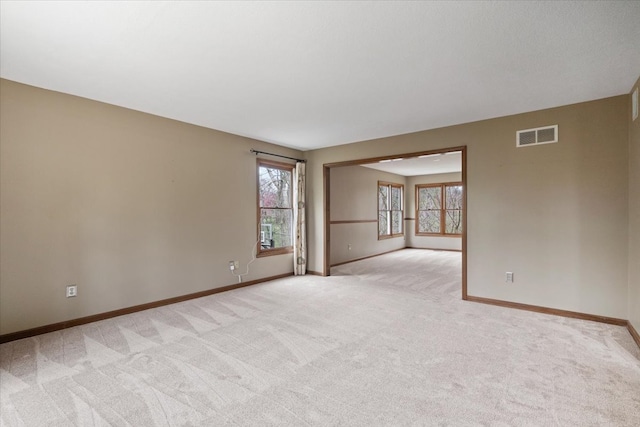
423, 165
317, 74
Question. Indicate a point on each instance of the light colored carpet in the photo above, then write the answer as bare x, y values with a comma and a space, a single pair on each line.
386, 341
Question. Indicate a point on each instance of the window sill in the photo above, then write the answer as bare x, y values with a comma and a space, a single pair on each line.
277, 251
390, 236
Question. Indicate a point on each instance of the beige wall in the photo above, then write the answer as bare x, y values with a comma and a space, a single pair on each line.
135, 208
428, 242
634, 217
556, 215
354, 196
131, 207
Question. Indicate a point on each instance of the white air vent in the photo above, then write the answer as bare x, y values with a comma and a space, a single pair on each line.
537, 136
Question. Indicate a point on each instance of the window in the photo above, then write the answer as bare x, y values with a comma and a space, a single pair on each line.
275, 213
439, 209
390, 210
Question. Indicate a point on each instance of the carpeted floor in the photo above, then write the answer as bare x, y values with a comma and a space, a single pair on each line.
385, 341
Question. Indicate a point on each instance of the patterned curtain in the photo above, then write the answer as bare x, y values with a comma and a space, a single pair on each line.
300, 232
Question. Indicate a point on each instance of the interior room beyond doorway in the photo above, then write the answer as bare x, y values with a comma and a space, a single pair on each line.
380, 205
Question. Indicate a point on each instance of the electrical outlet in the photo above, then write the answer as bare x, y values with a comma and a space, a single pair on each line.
349, 246
72, 291
509, 277
234, 265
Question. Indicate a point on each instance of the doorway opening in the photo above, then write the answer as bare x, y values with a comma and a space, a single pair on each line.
412, 220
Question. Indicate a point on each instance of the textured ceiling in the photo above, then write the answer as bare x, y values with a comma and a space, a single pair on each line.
316, 74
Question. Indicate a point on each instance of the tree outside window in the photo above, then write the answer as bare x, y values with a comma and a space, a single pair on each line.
275, 212
439, 209
390, 210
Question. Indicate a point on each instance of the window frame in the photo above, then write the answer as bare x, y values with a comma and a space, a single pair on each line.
260, 251
390, 185
443, 208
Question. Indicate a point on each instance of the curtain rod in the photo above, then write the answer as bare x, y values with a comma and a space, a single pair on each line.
278, 155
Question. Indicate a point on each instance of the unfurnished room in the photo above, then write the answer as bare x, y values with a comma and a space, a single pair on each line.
358, 213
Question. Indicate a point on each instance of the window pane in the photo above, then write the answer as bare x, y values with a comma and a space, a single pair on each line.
429, 198
453, 195
429, 221
396, 198
275, 187
383, 197
276, 228
396, 222
453, 221
383, 223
